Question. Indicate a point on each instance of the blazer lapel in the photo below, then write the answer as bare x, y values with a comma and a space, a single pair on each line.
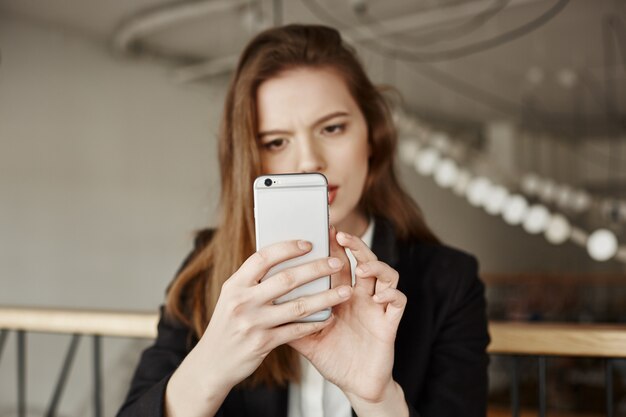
384, 242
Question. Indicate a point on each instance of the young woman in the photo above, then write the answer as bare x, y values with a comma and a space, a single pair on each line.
408, 331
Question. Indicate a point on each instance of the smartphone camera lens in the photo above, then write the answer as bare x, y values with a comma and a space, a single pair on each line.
268, 182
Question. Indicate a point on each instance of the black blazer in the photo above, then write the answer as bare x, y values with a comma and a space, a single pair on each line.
440, 350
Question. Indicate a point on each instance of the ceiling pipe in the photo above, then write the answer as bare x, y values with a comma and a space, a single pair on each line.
157, 19
153, 21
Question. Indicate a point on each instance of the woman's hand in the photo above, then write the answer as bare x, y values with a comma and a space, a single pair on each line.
246, 325
356, 350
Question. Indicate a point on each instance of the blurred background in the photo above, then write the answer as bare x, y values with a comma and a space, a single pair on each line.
512, 120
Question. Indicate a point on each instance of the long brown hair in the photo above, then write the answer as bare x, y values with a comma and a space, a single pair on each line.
194, 293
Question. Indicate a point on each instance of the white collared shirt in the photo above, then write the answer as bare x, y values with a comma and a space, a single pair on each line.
314, 396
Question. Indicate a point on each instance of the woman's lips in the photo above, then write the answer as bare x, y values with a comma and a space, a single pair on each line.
332, 193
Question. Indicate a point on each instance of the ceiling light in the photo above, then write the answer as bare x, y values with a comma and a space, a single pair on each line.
535, 75
602, 245
581, 201
478, 190
446, 173
547, 190
536, 219
558, 229
530, 184
407, 150
426, 161
496, 199
515, 209
567, 78
440, 141
462, 182
563, 196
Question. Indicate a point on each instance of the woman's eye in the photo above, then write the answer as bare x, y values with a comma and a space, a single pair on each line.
334, 129
274, 144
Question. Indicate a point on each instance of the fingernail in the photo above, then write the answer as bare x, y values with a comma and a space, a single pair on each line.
304, 245
345, 235
362, 269
344, 291
334, 263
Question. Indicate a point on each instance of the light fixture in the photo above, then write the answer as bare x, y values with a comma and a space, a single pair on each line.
462, 182
535, 75
530, 184
478, 190
496, 199
515, 209
563, 196
440, 141
567, 78
536, 219
581, 201
407, 150
547, 190
426, 161
558, 229
446, 173
602, 245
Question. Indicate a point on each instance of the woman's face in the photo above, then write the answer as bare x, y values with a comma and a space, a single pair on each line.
309, 122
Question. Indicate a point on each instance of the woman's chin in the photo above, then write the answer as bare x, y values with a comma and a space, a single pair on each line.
335, 218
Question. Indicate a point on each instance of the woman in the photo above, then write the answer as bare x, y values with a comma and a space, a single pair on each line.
408, 337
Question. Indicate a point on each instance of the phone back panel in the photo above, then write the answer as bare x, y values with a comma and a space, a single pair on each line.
294, 206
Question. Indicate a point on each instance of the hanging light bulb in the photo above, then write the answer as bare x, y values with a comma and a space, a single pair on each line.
563, 197
536, 220
462, 182
581, 201
426, 161
515, 209
446, 173
440, 141
407, 150
547, 190
478, 190
602, 245
558, 229
530, 184
496, 199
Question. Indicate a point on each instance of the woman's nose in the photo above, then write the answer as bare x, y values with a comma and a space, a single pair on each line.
310, 157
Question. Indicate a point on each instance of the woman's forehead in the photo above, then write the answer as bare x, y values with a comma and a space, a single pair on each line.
302, 94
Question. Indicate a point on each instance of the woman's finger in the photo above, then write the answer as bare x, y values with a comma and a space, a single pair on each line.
395, 302
259, 263
291, 332
386, 276
362, 254
286, 280
343, 276
298, 309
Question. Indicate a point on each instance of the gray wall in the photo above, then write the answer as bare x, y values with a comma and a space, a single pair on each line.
106, 168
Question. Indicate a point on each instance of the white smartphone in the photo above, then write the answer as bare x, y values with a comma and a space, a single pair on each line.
294, 206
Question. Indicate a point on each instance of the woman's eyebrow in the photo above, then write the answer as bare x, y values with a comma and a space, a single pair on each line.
330, 116
315, 123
